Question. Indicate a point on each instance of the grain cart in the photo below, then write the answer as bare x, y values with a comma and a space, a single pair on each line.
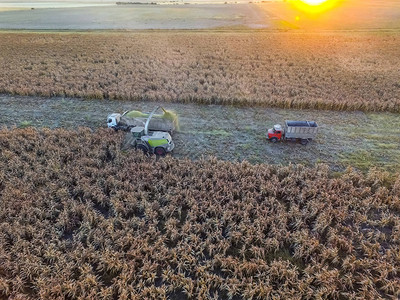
157, 142
167, 121
304, 131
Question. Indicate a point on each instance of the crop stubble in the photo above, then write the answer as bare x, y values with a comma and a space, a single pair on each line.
361, 140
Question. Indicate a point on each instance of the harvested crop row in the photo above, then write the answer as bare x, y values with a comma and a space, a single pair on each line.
79, 218
336, 71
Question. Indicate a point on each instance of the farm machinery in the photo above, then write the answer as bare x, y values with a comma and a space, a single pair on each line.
146, 134
303, 131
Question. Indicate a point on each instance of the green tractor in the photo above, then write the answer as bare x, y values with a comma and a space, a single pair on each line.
154, 142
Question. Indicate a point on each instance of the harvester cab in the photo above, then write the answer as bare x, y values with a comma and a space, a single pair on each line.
137, 132
275, 134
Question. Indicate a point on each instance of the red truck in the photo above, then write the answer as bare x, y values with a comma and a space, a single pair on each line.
303, 131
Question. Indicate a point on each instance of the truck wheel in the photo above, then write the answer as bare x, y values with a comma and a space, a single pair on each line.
274, 140
143, 147
304, 141
160, 151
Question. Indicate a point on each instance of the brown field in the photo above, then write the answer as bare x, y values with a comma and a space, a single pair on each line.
94, 222
321, 70
3, 9
80, 218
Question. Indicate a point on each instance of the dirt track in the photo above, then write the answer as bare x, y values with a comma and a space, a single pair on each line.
231, 133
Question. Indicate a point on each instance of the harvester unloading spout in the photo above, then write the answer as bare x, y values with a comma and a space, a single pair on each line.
146, 126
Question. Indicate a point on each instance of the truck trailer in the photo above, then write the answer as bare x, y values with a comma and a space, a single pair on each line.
303, 131
167, 121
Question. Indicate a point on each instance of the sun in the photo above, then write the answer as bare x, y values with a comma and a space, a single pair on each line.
315, 7
313, 2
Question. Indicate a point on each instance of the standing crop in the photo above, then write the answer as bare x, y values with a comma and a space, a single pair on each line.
332, 71
79, 218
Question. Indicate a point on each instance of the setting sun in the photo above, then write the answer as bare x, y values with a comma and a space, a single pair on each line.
315, 6
313, 2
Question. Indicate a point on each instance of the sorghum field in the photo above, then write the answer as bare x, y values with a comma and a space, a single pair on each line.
79, 218
320, 70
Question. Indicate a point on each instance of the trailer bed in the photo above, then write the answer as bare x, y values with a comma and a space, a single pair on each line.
305, 130
156, 124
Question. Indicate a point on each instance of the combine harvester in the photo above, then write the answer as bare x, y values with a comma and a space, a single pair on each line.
150, 133
303, 131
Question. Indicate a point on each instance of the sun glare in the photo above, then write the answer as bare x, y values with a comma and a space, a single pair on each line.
313, 2
315, 6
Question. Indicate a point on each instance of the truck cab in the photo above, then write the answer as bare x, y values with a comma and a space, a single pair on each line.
113, 120
275, 134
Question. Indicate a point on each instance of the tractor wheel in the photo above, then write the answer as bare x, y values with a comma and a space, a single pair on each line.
160, 151
304, 141
274, 140
143, 147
